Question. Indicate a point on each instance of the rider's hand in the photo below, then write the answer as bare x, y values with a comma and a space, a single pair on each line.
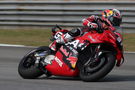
93, 25
104, 26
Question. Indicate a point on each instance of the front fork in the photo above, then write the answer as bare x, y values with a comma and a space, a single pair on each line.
94, 63
40, 62
39, 57
94, 55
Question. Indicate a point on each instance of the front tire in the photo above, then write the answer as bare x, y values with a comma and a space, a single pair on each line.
102, 72
27, 68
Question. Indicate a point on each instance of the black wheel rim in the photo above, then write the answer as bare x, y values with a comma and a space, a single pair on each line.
29, 61
94, 66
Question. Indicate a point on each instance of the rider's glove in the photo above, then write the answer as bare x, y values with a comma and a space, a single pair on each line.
92, 25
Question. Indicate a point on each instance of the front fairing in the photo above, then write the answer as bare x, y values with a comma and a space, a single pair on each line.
108, 38
92, 37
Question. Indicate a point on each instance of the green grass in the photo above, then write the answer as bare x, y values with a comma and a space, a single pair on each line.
129, 42
37, 37
25, 37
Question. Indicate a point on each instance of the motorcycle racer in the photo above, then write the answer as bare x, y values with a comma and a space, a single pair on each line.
90, 52
110, 20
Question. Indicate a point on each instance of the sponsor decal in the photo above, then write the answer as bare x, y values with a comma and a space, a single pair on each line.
92, 38
64, 51
73, 61
58, 61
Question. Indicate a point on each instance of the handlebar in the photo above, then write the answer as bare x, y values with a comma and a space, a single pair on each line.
56, 27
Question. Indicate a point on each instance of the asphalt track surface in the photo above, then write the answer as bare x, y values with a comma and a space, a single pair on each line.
122, 78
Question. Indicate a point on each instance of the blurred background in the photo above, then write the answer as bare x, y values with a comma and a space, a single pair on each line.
29, 22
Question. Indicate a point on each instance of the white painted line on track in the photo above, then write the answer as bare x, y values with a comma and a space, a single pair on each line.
12, 45
129, 52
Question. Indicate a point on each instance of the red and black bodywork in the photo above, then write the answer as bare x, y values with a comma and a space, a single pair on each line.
90, 56
108, 39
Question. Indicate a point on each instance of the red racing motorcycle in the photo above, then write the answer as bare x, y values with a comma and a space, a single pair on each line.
98, 55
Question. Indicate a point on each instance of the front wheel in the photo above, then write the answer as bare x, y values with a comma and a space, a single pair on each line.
105, 64
27, 68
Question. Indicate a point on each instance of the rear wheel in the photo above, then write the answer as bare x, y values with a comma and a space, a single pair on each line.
27, 68
99, 69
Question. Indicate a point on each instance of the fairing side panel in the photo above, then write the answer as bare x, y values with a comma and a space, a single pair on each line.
59, 68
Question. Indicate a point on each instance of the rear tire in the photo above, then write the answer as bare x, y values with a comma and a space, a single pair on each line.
102, 72
31, 71
28, 73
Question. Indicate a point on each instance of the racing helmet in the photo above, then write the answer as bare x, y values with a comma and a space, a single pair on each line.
112, 15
